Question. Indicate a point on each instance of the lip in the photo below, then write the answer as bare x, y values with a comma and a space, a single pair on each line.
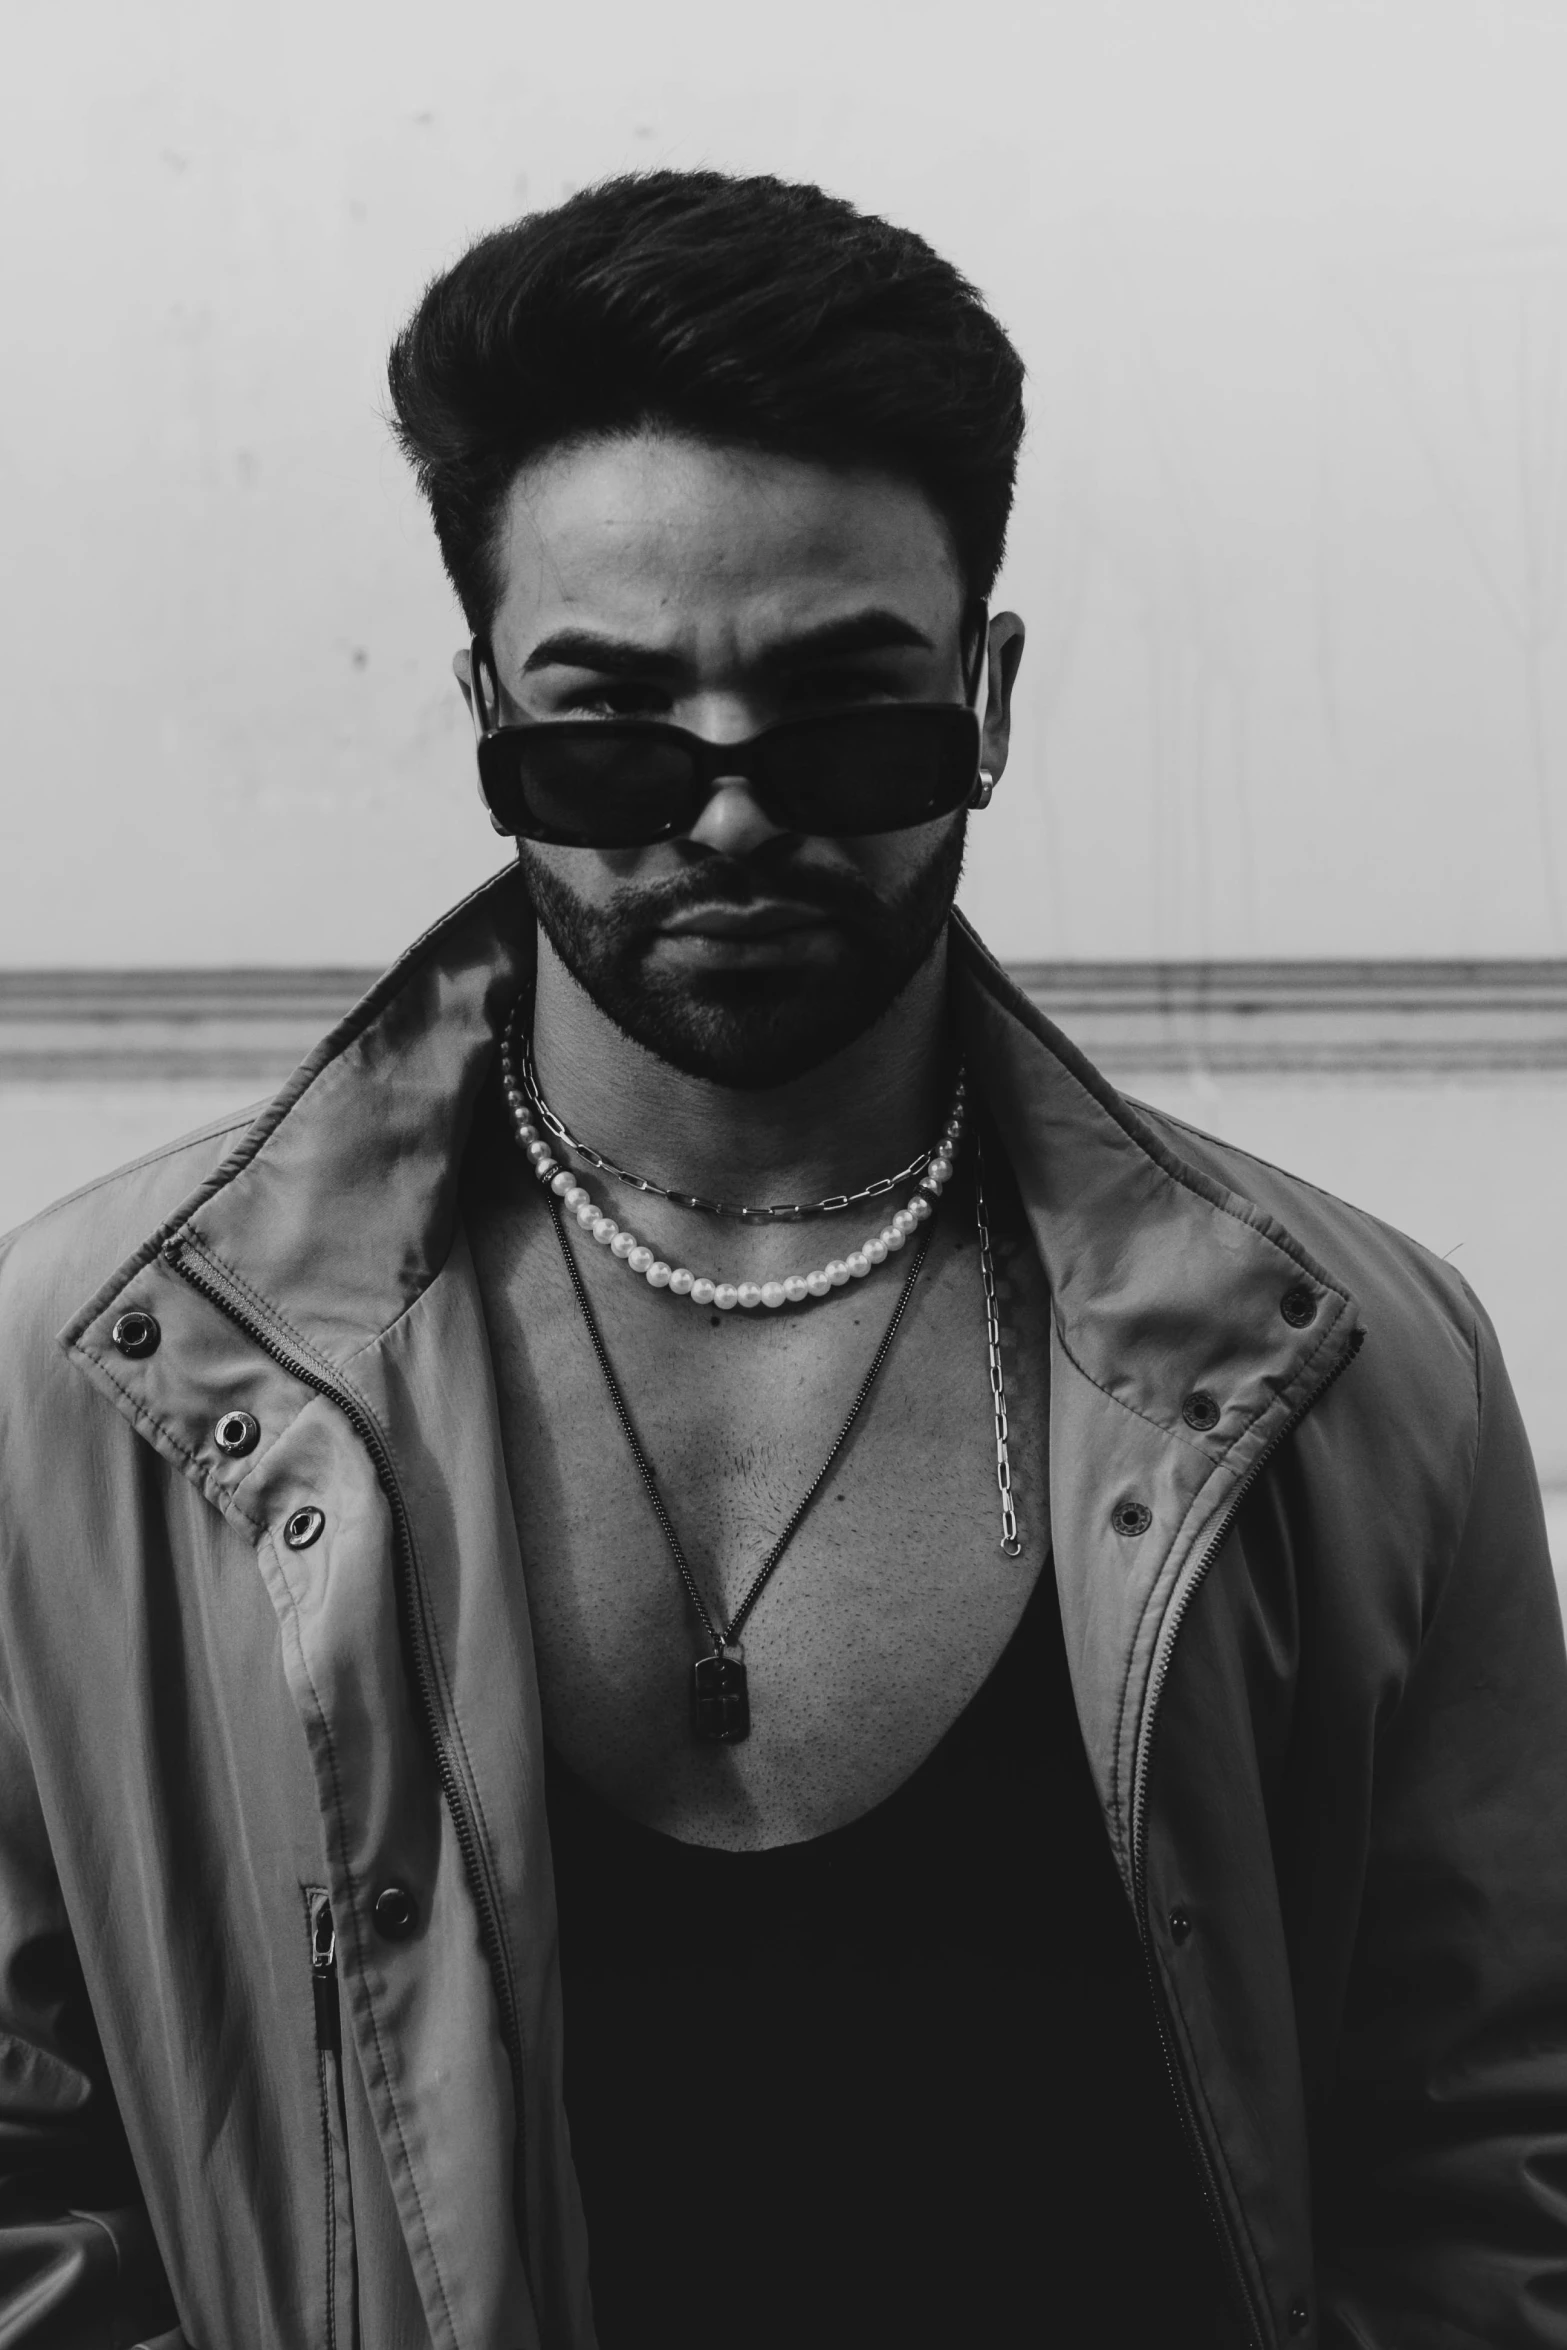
767, 919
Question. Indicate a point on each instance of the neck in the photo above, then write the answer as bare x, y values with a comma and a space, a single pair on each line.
862, 1114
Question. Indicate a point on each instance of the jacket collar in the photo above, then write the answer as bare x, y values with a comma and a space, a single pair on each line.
339, 1203
1165, 1282
339, 1206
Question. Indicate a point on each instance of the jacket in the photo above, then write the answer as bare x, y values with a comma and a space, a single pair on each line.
280, 2037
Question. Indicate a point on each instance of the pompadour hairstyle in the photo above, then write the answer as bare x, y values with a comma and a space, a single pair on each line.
751, 312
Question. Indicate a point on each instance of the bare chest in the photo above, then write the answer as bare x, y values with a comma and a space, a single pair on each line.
893, 1599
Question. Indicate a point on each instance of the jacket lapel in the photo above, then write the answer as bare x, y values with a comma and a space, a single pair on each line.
1166, 1288
320, 1282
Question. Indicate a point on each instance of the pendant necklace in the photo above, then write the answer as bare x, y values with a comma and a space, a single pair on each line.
720, 1695
720, 1698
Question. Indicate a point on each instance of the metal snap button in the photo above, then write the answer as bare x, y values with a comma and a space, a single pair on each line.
1200, 1410
1131, 1517
1299, 1306
303, 1528
1180, 1925
136, 1333
395, 1913
236, 1433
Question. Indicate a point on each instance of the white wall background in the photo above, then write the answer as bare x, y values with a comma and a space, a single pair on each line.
1291, 279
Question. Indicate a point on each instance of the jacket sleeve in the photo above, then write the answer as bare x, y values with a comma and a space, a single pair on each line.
78, 2266
1442, 2219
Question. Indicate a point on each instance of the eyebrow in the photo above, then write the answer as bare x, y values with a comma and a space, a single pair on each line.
874, 631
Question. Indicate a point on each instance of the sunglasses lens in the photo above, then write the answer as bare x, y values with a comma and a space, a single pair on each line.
591, 786
872, 770
620, 785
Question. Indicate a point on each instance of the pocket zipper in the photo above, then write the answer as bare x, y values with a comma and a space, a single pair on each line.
323, 1975
342, 2293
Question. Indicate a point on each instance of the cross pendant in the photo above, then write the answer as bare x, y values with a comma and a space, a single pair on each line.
720, 1702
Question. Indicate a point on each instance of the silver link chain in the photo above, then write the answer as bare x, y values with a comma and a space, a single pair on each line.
1010, 1542
780, 1212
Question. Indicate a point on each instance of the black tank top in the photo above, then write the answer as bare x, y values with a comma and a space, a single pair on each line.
897, 2085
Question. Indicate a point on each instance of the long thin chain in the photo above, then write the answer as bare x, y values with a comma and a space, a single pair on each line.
1010, 1542
730, 1636
779, 1212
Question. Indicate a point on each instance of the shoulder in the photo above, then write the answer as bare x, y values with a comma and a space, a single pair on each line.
1388, 1261
51, 1265
1410, 1486
1426, 1335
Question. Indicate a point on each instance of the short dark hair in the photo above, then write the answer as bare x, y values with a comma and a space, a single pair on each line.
750, 312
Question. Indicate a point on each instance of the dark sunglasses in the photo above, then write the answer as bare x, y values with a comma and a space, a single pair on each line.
620, 783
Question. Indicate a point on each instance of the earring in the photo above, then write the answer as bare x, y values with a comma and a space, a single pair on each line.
983, 789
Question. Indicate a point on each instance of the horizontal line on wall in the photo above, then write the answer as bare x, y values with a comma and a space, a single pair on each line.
1296, 1017
250, 1027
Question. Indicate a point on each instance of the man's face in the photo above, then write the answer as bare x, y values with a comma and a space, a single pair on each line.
722, 590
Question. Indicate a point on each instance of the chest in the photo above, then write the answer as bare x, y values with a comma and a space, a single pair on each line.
893, 1599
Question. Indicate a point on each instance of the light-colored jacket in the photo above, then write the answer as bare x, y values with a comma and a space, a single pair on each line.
1315, 1646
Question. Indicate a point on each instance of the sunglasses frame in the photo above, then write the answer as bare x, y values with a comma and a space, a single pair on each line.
500, 748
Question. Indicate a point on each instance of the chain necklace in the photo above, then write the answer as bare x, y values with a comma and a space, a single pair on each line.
998, 1386
780, 1212
720, 1693
526, 1104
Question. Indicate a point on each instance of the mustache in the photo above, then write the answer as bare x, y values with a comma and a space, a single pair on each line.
740, 882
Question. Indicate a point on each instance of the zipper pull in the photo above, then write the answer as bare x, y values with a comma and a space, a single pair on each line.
323, 1974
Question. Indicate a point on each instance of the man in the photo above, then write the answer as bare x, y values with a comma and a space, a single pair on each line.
970, 1754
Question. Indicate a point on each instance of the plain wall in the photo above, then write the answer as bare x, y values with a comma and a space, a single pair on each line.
1292, 534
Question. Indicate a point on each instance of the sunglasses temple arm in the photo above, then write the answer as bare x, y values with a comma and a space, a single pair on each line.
976, 672
478, 656
985, 782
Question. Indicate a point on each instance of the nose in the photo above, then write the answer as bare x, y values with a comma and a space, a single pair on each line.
733, 824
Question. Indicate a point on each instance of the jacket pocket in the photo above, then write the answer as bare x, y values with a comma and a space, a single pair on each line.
342, 2278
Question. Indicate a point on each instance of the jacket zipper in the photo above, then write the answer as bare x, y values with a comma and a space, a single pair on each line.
329, 2076
203, 1277
1256, 2320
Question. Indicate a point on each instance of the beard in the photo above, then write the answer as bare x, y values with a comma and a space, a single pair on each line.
749, 1029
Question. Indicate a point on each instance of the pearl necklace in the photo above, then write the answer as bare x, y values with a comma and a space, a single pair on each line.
528, 1115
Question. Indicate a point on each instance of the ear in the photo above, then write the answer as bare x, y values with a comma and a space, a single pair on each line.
1002, 656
